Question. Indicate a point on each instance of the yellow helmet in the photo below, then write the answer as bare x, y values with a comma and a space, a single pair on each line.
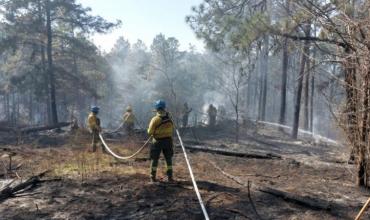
129, 109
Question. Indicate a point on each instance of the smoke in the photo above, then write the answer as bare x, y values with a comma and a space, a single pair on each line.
142, 76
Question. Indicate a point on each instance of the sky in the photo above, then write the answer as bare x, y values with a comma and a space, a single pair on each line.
144, 19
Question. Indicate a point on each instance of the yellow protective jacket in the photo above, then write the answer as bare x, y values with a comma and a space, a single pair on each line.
128, 118
161, 125
93, 122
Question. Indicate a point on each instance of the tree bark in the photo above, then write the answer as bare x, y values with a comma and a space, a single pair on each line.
237, 116
352, 117
53, 106
260, 81
297, 106
49, 118
255, 95
7, 104
284, 79
248, 97
264, 70
18, 114
362, 163
31, 102
43, 65
312, 90
307, 94
45, 128
313, 203
214, 150
284, 75
13, 114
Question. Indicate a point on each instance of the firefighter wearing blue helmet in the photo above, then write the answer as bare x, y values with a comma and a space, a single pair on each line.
161, 128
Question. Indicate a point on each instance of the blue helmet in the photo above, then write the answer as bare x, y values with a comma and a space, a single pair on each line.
95, 109
160, 104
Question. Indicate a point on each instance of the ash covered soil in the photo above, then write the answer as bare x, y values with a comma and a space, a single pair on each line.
85, 185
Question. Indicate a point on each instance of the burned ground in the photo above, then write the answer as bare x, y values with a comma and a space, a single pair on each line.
83, 185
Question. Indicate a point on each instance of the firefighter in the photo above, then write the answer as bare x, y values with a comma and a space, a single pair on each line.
161, 128
212, 113
95, 129
185, 115
129, 121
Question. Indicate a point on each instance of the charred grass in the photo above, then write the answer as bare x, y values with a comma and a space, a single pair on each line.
96, 186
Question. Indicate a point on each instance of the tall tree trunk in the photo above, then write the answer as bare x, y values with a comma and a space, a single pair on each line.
53, 106
297, 105
30, 100
284, 79
284, 75
45, 73
260, 99
264, 68
248, 97
351, 109
77, 93
355, 137
362, 169
7, 101
47, 86
312, 89
260, 80
313, 72
255, 97
13, 116
306, 93
237, 116
18, 113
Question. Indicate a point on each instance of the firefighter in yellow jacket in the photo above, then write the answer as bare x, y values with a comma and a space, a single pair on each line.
94, 127
129, 121
161, 128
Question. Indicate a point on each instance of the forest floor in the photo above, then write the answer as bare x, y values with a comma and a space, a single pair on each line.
85, 185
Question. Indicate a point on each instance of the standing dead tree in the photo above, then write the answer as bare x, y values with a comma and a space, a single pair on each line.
346, 25
235, 72
356, 67
165, 60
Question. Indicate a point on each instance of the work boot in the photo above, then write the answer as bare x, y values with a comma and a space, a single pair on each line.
170, 179
153, 180
103, 150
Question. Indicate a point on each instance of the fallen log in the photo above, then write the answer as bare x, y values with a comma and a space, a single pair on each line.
203, 185
7, 129
233, 153
9, 191
34, 129
307, 201
45, 128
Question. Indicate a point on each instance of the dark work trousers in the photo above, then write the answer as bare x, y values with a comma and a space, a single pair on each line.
96, 140
164, 145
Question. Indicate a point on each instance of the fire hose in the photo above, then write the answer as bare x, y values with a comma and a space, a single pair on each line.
118, 156
204, 210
